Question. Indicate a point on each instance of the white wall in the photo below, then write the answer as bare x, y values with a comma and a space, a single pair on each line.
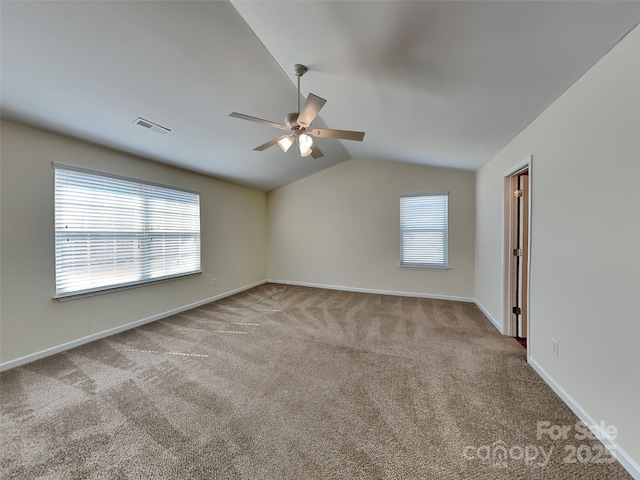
585, 258
340, 227
233, 234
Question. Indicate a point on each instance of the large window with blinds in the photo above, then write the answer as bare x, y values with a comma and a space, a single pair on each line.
113, 232
424, 231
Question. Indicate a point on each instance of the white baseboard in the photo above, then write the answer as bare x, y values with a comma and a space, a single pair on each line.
97, 336
369, 290
489, 316
620, 454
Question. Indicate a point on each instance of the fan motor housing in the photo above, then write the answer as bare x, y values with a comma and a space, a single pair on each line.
291, 120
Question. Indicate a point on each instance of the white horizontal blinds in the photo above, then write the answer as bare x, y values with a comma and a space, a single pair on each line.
112, 232
424, 230
172, 232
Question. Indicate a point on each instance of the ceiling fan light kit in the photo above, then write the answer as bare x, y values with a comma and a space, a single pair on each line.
298, 123
306, 143
286, 142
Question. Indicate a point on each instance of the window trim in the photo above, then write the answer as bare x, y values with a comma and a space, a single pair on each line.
410, 266
122, 287
130, 285
89, 171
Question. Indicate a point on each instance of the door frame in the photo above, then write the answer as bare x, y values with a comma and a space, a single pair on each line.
510, 242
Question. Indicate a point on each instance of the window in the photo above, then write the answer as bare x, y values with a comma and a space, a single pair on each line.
424, 231
114, 232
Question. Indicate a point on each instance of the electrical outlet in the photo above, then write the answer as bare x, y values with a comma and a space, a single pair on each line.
215, 282
554, 347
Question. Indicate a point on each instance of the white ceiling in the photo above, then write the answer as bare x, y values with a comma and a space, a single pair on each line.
444, 83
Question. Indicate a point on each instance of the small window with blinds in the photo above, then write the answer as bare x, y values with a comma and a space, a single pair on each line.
424, 231
112, 232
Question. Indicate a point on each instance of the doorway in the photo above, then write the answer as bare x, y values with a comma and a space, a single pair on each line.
517, 198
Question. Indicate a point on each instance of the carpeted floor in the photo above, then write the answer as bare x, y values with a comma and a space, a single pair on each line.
284, 382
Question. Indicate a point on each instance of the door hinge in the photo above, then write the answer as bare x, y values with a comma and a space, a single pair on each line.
517, 310
517, 252
517, 193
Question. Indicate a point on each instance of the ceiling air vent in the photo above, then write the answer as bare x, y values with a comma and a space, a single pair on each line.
154, 127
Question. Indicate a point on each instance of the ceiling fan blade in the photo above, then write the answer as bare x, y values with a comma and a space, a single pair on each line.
242, 116
310, 110
316, 152
270, 143
344, 134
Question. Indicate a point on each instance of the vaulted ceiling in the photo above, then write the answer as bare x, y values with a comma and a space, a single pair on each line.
444, 83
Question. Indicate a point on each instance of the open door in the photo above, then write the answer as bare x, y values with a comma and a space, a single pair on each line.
516, 283
521, 194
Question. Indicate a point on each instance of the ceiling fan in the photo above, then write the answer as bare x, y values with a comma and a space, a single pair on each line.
298, 124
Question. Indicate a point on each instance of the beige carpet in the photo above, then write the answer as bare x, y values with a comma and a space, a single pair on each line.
284, 382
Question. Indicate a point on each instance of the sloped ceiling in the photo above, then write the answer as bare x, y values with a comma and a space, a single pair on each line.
437, 83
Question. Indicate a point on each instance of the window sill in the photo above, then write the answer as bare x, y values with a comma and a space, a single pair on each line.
425, 267
103, 291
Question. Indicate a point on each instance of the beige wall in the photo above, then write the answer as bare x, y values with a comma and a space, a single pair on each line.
585, 262
340, 227
233, 243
